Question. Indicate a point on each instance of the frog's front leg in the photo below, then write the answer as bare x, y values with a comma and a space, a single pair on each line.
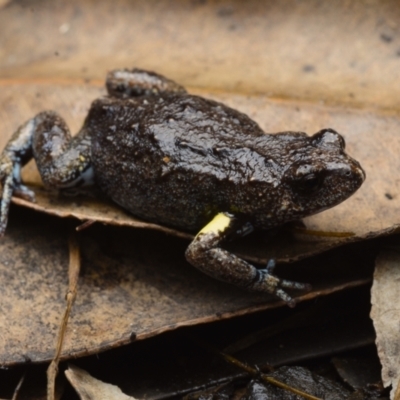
206, 254
63, 162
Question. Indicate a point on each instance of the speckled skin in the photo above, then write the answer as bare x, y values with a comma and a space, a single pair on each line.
181, 160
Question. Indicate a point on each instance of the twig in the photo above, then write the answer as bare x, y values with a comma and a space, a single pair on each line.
85, 225
18, 387
255, 372
73, 275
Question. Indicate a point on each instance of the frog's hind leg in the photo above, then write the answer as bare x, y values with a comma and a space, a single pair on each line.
206, 254
62, 161
125, 83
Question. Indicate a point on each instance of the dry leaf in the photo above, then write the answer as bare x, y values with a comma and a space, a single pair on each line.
3, 3
134, 284
90, 388
342, 51
385, 314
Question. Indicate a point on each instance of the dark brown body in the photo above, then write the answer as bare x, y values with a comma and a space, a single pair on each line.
179, 159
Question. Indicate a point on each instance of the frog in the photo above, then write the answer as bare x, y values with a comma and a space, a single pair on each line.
187, 162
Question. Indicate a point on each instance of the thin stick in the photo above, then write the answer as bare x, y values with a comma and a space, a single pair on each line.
17, 389
255, 372
85, 225
73, 275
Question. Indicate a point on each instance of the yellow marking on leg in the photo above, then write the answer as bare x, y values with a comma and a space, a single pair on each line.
220, 222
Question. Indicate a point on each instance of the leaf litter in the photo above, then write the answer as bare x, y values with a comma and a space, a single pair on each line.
370, 213
308, 74
138, 279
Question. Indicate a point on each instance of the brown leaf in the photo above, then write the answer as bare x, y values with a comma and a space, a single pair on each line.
385, 314
339, 51
90, 388
134, 284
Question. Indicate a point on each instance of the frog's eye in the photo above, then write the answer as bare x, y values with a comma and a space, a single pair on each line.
309, 184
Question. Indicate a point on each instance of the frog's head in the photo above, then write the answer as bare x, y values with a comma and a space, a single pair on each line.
321, 175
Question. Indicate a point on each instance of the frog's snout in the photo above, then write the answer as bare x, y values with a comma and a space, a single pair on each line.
359, 171
352, 176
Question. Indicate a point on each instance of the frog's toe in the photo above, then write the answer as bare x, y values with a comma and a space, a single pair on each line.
274, 285
8, 188
11, 186
294, 285
283, 283
24, 193
281, 294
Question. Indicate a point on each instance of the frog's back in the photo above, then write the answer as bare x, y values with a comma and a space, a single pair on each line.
169, 158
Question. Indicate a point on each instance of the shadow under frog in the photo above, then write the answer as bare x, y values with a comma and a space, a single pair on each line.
190, 163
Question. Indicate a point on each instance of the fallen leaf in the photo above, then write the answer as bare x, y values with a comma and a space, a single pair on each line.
385, 314
358, 371
90, 388
343, 52
134, 284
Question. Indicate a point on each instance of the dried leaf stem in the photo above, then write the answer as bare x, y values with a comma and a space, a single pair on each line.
73, 275
85, 225
18, 387
255, 372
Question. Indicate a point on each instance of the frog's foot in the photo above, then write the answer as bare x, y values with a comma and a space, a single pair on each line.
8, 188
270, 283
205, 254
63, 161
24, 192
11, 186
